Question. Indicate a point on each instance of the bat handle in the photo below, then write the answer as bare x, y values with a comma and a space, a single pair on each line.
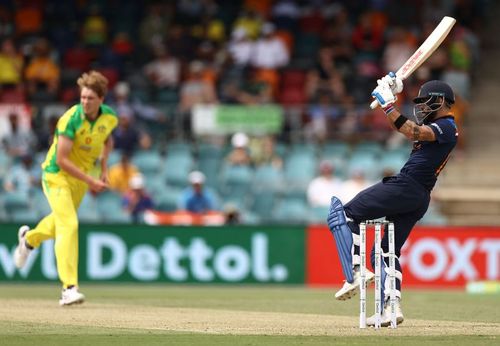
374, 104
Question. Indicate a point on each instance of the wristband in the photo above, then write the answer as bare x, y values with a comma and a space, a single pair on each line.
388, 109
400, 121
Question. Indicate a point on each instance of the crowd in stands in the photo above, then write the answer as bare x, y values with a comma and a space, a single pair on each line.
318, 59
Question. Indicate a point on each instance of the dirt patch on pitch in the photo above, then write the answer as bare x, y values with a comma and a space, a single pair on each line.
220, 321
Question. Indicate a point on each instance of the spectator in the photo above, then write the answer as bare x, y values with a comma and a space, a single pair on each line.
325, 76
23, 177
45, 135
95, 28
367, 37
352, 186
195, 90
6, 23
180, 43
122, 44
197, 198
42, 74
239, 154
125, 104
323, 118
127, 137
136, 200
121, 174
269, 51
397, 50
262, 152
11, 65
18, 142
285, 13
254, 90
323, 187
28, 18
232, 214
250, 21
164, 71
240, 48
154, 24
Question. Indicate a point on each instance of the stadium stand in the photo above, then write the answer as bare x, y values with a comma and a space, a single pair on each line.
324, 86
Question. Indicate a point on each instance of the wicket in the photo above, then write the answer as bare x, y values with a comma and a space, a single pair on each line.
378, 278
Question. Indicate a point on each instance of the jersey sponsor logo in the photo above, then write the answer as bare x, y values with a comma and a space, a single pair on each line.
438, 128
85, 147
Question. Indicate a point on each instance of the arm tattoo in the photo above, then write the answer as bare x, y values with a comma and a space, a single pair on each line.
416, 132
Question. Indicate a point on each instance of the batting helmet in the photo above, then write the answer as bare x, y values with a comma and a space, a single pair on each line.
435, 88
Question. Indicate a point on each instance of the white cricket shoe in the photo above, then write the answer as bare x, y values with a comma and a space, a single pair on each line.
349, 290
71, 296
22, 252
385, 319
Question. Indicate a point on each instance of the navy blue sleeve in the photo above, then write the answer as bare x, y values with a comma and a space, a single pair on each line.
445, 130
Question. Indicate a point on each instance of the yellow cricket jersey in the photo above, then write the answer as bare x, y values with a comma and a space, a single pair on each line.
88, 137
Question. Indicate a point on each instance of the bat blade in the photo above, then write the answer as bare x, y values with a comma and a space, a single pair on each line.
424, 51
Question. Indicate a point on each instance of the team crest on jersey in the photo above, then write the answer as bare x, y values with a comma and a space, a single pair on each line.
101, 129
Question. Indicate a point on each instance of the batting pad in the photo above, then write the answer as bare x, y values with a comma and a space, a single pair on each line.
343, 237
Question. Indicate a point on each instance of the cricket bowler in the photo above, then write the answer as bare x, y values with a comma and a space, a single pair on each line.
82, 138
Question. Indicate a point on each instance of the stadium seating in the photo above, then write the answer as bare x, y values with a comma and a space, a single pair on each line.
268, 177
148, 162
235, 183
263, 204
292, 212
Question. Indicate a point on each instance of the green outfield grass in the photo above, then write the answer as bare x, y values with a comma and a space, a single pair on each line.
120, 314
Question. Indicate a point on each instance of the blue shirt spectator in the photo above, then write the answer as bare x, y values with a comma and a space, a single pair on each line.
137, 200
197, 198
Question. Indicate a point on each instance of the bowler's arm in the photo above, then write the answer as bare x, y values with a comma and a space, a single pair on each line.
64, 146
108, 147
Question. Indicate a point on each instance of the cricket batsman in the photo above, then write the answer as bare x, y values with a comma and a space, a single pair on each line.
403, 198
82, 138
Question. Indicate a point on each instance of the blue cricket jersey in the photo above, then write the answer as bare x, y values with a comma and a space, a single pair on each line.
427, 159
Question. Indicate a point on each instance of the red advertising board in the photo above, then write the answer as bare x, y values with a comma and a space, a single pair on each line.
431, 257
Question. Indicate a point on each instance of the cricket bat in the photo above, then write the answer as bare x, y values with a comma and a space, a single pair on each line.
424, 51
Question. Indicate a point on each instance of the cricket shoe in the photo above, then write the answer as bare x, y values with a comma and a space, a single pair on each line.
385, 318
71, 296
349, 290
22, 251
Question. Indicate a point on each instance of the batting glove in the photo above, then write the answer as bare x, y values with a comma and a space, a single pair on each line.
383, 94
394, 82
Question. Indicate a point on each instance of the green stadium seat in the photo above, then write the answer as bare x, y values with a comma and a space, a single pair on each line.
147, 161
268, 177
336, 149
235, 182
300, 169
291, 211
365, 162
40, 202
168, 200
372, 147
176, 169
27, 215
263, 204
15, 201
116, 215
108, 200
